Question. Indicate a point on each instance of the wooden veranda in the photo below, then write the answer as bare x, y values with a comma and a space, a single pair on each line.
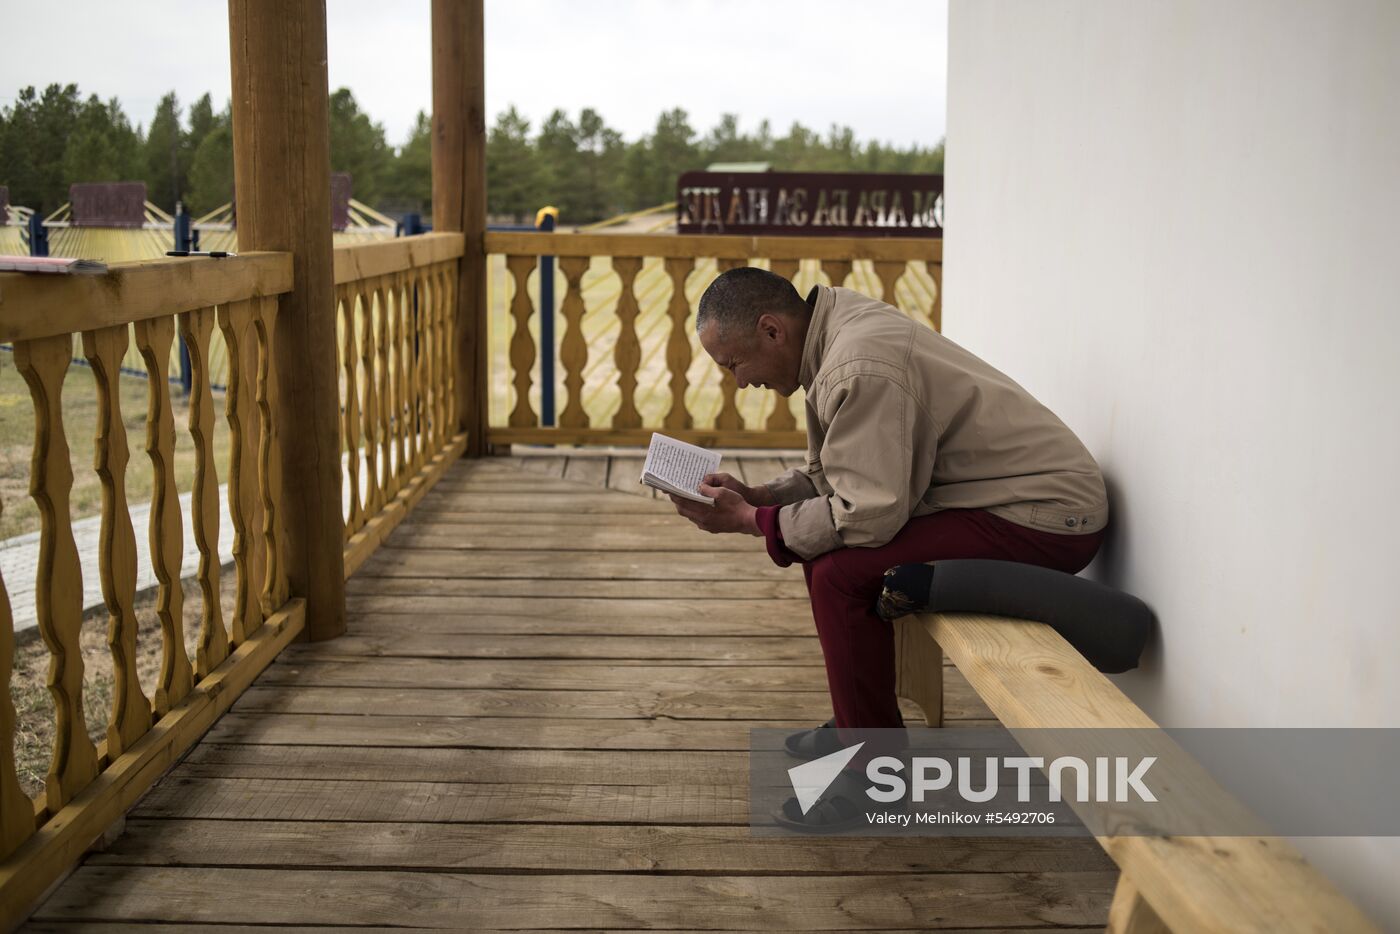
456, 689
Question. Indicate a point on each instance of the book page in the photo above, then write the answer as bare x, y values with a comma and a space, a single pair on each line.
678, 464
50, 264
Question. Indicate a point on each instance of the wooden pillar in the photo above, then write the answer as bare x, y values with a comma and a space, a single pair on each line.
281, 155
459, 194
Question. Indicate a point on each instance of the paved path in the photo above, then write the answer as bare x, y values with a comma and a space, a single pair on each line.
19, 556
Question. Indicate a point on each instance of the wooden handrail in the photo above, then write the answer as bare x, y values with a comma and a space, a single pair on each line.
720, 247
33, 307
1032, 679
365, 261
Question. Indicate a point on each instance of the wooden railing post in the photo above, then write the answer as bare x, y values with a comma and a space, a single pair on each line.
459, 194
281, 136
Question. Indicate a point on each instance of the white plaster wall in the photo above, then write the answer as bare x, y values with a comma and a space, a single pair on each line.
1177, 225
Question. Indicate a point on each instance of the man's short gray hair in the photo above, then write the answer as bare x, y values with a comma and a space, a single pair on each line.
738, 297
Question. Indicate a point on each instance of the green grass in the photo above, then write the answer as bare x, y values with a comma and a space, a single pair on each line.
20, 515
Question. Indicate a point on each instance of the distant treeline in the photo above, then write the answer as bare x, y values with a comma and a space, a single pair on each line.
584, 167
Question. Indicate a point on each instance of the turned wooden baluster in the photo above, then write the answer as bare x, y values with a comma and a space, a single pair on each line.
426, 287
369, 411
196, 328
154, 337
522, 346
16, 810
393, 389
678, 352
442, 358
253, 362
432, 292
627, 352
413, 347
454, 287
447, 362
889, 273
781, 418
116, 556
403, 412
573, 349
446, 277
274, 588
386, 389
787, 268
350, 405
837, 270
240, 410
419, 285
729, 417
58, 591
393, 395
422, 364
443, 352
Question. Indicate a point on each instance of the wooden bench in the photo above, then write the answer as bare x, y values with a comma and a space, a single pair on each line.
1031, 677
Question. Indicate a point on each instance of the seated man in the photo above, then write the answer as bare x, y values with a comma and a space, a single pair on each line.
917, 451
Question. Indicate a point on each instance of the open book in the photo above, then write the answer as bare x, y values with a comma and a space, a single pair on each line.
676, 467
51, 264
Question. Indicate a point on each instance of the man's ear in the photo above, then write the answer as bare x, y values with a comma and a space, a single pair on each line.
771, 327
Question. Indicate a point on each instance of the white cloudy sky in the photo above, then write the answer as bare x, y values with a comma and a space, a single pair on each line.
878, 66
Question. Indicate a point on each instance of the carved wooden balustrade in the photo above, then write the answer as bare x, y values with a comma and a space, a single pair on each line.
394, 318
640, 369
90, 784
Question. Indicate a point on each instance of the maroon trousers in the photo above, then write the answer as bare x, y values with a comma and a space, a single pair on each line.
857, 645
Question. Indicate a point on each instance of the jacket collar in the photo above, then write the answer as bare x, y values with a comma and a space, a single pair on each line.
821, 298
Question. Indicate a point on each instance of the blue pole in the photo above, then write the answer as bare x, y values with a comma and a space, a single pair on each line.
182, 229
547, 330
183, 242
38, 236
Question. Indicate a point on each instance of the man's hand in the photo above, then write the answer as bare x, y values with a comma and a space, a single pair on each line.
753, 495
730, 513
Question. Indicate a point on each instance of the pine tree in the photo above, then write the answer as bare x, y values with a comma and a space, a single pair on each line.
512, 171
673, 151
409, 183
166, 158
211, 168
557, 147
601, 153
102, 146
358, 147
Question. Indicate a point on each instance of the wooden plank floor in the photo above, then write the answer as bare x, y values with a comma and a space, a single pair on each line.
538, 721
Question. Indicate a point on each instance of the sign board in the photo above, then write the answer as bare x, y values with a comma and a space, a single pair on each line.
108, 204
844, 204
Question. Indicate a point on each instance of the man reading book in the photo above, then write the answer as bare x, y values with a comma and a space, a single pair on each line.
917, 451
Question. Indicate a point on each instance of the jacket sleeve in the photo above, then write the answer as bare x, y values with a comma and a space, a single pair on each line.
792, 487
867, 459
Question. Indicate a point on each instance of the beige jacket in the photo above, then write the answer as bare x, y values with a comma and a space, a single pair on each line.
902, 422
